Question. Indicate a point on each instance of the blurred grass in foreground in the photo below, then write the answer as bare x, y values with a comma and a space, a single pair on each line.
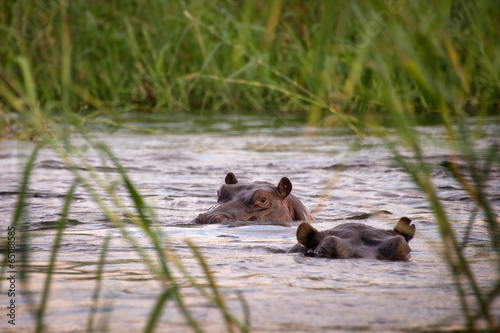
347, 63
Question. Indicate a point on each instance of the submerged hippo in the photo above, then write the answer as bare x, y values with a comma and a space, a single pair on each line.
356, 240
257, 201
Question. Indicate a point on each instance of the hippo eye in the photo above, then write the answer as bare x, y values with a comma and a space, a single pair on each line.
262, 201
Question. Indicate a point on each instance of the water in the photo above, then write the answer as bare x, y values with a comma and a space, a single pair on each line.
180, 168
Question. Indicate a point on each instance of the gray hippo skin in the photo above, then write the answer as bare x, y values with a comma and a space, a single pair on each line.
257, 202
356, 240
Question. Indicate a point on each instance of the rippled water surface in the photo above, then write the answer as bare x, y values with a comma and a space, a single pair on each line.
180, 168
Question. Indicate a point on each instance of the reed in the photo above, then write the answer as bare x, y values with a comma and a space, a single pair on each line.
183, 55
98, 285
53, 258
373, 66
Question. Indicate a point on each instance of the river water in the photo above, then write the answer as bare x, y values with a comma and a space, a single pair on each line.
179, 169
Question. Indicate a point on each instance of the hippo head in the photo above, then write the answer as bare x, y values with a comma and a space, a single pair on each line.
356, 240
257, 201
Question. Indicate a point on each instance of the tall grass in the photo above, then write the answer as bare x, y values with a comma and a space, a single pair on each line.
193, 55
364, 65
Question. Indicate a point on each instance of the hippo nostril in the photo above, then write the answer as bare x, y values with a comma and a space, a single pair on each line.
217, 219
200, 219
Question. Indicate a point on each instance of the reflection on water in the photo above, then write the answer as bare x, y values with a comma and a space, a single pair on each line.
337, 176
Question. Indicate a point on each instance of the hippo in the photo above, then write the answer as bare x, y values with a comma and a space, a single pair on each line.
356, 240
256, 202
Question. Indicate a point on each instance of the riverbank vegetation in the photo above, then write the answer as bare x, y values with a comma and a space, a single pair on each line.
339, 58
67, 64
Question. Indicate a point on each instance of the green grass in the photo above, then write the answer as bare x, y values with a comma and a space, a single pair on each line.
324, 57
360, 64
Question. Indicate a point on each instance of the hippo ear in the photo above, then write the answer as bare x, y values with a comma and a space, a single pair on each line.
284, 187
306, 235
231, 179
405, 228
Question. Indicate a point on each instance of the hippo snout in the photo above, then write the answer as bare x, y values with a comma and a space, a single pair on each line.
209, 219
217, 219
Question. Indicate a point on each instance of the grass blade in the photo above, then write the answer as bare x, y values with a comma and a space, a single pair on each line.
155, 314
55, 249
98, 285
19, 211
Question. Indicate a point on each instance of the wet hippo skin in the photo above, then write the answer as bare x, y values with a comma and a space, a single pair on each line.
356, 240
258, 201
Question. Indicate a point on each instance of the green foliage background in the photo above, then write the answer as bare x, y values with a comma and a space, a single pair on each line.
344, 57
